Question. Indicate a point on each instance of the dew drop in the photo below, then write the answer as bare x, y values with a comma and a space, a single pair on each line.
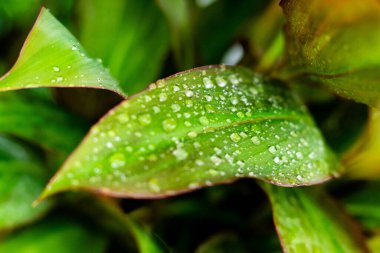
145, 119
176, 107
180, 153
207, 83
192, 134
235, 137
255, 140
216, 160
272, 149
117, 160
221, 82
189, 93
169, 125
56, 69
204, 120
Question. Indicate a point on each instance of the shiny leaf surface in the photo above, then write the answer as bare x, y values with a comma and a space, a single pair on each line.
199, 128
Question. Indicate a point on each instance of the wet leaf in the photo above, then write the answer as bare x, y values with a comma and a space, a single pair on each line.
199, 128
308, 221
52, 57
132, 42
335, 43
21, 180
59, 235
31, 116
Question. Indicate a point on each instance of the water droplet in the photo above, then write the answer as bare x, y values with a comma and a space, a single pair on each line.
255, 140
56, 69
176, 107
240, 114
189, 93
74, 48
204, 120
180, 153
216, 160
117, 160
235, 137
162, 97
272, 149
221, 82
208, 83
145, 119
169, 125
59, 79
153, 185
192, 134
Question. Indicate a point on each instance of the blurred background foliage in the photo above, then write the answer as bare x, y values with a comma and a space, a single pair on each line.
140, 42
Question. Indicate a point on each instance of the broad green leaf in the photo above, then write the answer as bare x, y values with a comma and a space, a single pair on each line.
132, 39
52, 57
21, 180
336, 43
362, 160
198, 128
33, 117
58, 235
308, 221
374, 244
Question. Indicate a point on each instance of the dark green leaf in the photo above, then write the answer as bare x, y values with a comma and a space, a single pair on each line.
21, 180
52, 57
308, 221
199, 128
336, 43
31, 116
57, 235
132, 39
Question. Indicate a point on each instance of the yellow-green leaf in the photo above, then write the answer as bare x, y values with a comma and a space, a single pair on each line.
336, 43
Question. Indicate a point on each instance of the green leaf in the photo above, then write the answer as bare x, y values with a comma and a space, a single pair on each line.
336, 43
31, 116
52, 57
59, 235
21, 180
219, 243
198, 128
308, 221
132, 41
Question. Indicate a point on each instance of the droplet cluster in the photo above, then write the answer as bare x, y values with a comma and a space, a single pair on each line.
198, 128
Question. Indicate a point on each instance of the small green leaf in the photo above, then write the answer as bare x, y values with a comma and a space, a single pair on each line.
28, 115
336, 43
132, 38
52, 57
21, 180
199, 128
58, 235
308, 221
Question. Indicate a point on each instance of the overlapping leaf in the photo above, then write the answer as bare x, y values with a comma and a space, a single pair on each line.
21, 180
308, 221
198, 128
58, 235
336, 43
30, 116
132, 39
52, 57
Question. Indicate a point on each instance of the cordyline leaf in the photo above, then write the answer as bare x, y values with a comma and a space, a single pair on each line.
21, 180
30, 116
52, 57
199, 128
60, 235
132, 42
308, 221
362, 160
336, 43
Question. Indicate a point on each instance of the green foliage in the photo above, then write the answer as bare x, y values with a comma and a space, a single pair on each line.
274, 122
